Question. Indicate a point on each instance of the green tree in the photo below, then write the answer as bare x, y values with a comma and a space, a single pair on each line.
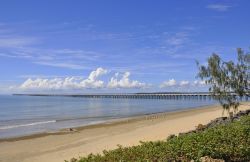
228, 81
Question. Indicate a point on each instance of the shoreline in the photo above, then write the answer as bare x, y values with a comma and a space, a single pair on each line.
105, 123
96, 138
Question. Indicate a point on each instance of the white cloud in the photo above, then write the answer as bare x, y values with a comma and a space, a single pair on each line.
169, 83
92, 81
178, 39
63, 58
118, 81
14, 42
19, 46
219, 7
199, 83
61, 65
184, 83
66, 83
124, 82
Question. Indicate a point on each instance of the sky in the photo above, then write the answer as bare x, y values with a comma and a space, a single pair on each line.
115, 46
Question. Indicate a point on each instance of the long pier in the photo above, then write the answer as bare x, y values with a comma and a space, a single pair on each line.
160, 95
197, 95
149, 96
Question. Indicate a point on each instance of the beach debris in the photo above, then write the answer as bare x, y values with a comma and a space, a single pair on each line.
72, 130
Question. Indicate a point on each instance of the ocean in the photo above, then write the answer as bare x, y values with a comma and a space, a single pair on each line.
26, 115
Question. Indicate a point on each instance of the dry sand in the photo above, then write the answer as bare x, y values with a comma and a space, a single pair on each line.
63, 145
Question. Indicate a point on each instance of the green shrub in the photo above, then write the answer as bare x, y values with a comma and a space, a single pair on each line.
230, 142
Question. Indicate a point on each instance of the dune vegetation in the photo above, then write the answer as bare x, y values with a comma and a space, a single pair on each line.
229, 141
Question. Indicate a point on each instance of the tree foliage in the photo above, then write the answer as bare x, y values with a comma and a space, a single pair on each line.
228, 81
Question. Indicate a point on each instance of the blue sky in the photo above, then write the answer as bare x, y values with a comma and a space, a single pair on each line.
114, 45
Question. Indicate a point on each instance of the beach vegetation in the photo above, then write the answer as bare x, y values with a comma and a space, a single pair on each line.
230, 142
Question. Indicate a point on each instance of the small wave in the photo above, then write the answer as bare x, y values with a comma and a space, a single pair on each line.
86, 117
26, 125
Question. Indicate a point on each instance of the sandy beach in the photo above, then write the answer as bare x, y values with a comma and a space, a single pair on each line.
63, 145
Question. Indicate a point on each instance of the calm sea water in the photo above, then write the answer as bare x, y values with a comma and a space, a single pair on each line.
24, 115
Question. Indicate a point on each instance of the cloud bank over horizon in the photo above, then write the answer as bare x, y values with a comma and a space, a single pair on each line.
118, 81
95, 81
